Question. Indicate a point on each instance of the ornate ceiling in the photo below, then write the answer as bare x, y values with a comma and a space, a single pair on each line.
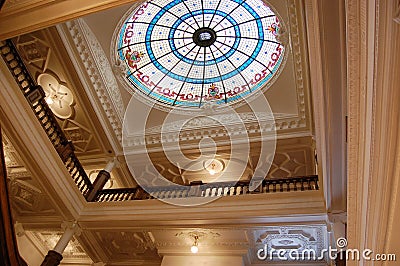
85, 89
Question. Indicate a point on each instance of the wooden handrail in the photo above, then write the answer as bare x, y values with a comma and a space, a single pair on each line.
218, 189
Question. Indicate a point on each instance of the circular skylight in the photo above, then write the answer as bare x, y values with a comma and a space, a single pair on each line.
186, 53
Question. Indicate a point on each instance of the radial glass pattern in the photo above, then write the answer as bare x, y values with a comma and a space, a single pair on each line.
189, 52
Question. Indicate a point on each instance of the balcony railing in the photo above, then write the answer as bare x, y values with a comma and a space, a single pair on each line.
211, 189
36, 99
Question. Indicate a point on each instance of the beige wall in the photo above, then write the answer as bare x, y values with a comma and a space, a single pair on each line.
198, 260
28, 251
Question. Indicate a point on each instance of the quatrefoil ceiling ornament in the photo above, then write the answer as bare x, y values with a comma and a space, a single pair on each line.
58, 96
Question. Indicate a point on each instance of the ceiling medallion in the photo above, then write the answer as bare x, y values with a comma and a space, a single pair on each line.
186, 53
213, 166
58, 97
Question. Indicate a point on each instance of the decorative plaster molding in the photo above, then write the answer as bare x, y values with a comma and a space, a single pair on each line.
12, 158
216, 239
103, 67
297, 238
297, 31
47, 239
102, 85
125, 245
200, 233
356, 47
29, 200
208, 126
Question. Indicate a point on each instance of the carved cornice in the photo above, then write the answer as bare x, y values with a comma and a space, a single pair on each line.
299, 52
101, 83
208, 126
357, 48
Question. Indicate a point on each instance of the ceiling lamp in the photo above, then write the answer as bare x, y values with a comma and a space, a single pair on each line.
213, 166
58, 97
49, 100
194, 249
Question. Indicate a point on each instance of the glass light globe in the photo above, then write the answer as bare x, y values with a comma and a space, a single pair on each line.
49, 100
194, 249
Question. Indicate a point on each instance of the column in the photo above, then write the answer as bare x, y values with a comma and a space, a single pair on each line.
54, 256
102, 177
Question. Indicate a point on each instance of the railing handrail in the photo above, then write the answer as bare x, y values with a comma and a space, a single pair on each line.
35, 96
298, 183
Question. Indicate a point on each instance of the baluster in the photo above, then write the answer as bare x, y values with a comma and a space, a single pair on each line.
130, 196
116, 196
238, 190
184, 193
245, 189
281, 186
207, 192
273, 186
290, 185
309, 183
316, 183
220, 190
214, 192
296, 185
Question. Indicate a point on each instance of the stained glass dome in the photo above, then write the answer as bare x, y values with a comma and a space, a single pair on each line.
186, 53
